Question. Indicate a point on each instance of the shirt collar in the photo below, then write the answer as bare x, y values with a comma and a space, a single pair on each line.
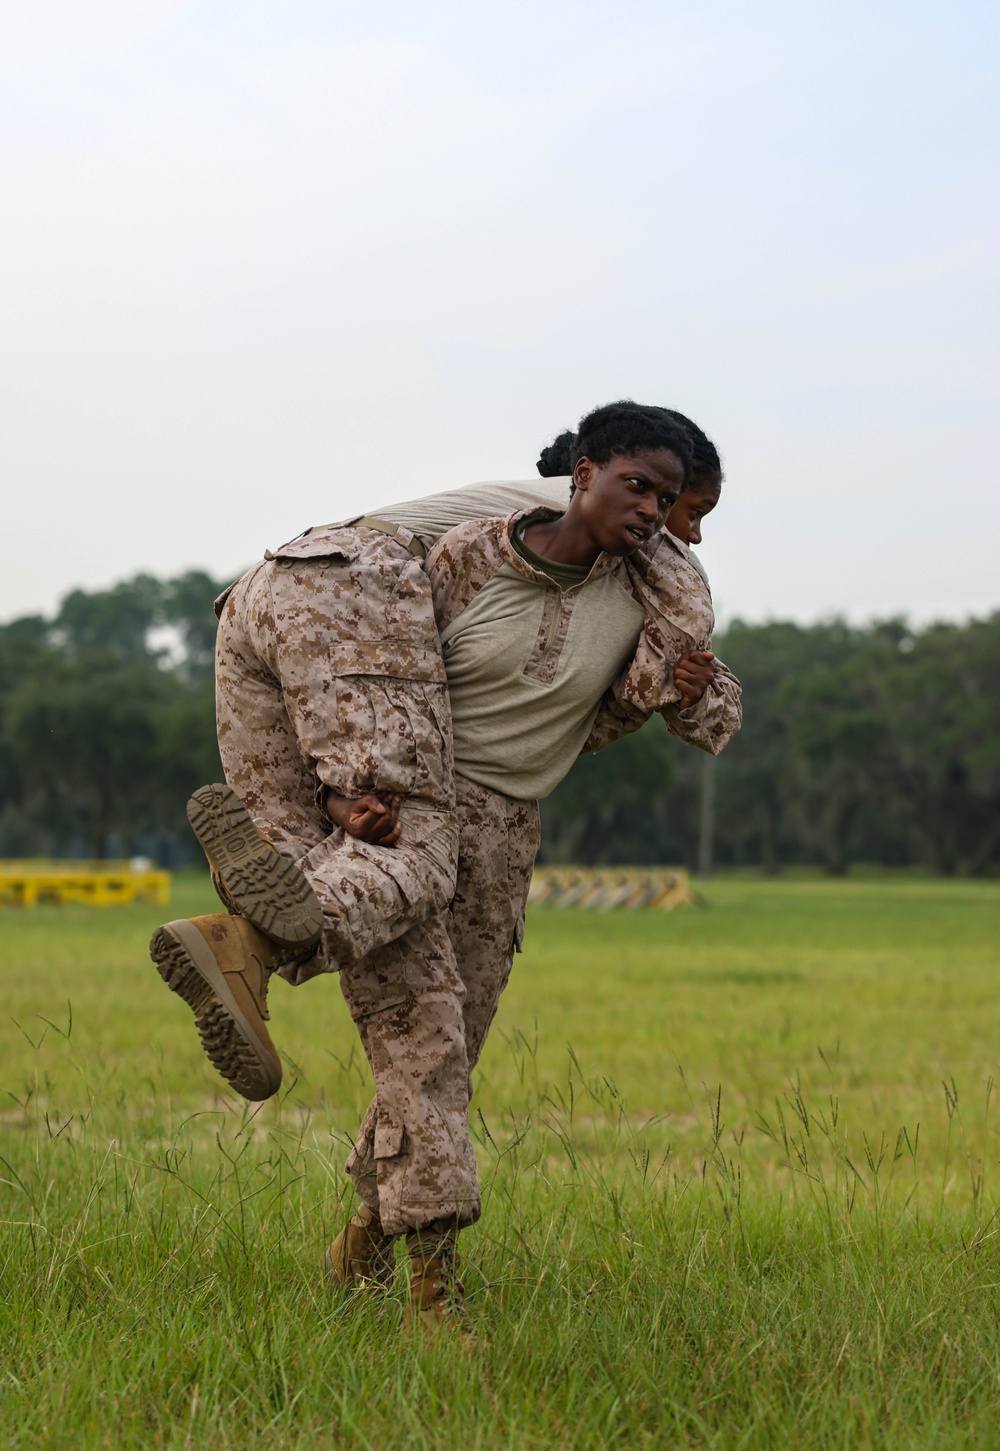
604, 563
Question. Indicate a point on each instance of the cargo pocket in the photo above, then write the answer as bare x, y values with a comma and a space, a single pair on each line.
376, 984
329, 588
390, 1137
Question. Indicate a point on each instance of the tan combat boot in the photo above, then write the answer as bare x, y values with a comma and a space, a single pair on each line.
220, 966
437, 1295
251, 876
361, 1257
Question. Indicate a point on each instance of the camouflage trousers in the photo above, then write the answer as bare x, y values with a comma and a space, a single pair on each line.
329, 674
423, 1007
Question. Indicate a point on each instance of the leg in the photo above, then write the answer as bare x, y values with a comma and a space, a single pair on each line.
328, 673
299, 709
371, 895
498, 840
413, 1162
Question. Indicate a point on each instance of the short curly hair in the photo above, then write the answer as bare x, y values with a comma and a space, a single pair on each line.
627, 427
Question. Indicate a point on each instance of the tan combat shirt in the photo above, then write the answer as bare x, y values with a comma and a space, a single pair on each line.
535, 673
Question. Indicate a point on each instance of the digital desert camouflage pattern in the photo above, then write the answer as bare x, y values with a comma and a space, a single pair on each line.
673, 590
329, 674
311, 648
678, 617
423, 1007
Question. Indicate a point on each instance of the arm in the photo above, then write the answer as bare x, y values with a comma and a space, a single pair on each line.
673, 673
708, 723
711, 721
460, 564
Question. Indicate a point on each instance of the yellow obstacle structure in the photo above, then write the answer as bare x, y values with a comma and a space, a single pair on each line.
98, 884
602, 889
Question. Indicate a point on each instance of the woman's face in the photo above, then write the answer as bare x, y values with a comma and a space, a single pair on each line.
626, 500
684, 519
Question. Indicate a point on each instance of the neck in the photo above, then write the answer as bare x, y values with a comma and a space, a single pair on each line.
565, 540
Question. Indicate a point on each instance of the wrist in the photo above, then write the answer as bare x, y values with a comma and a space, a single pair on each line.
337, 808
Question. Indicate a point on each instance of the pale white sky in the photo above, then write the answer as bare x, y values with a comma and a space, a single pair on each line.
268, 262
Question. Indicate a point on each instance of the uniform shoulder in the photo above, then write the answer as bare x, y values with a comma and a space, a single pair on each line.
461, 563
666, 557
471, 533
673, 593
696, 564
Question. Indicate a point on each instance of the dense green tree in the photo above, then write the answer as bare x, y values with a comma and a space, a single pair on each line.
187, 603
83, 734
104, 728
612, 806
116, 621
942, 706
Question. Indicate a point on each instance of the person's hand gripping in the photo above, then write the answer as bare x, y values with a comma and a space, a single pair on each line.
693, 674
369, 818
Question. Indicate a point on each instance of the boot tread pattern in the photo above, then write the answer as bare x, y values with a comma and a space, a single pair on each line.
266, 888
227, 1049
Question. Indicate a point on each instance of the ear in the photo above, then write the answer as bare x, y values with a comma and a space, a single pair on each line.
583, 473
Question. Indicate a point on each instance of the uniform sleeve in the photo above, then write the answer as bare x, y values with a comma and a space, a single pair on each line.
678, 618
460, 564
709, 724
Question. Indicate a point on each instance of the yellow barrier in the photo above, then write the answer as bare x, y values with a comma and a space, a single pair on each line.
98, 884
602, 889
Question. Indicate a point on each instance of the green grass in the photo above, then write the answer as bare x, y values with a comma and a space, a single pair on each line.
741, 1191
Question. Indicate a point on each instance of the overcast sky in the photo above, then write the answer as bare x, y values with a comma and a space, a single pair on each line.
269, 262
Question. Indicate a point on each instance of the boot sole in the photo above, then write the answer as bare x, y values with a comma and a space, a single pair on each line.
263, 886
188, 967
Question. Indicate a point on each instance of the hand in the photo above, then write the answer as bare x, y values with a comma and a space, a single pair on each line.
693, 674
368, 818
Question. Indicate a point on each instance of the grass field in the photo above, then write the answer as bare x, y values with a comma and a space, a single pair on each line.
741, 1173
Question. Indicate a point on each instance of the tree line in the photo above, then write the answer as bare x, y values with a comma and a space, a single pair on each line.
876, 743
107, 720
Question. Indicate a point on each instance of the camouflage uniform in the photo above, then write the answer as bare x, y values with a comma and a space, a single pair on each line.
329, 674
677, 617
